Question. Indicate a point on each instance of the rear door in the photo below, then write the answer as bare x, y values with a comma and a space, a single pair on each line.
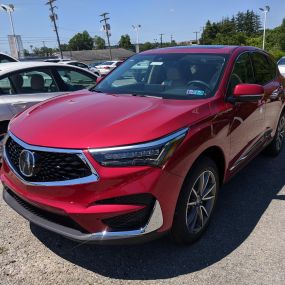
265, 70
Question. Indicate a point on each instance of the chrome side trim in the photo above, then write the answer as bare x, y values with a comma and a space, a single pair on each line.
155, 222
161, 141
248, 152
94, 177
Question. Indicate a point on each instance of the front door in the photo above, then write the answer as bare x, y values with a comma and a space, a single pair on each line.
247, 125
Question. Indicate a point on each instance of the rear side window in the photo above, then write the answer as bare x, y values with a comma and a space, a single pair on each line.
242, 72
75, 80
5, 86
264, 70
33, 81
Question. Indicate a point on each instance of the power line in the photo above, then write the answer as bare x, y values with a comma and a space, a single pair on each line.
53, 18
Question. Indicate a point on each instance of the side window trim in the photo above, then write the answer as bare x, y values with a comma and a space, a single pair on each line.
236, 59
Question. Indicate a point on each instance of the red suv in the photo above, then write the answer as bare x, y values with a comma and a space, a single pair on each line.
146, 150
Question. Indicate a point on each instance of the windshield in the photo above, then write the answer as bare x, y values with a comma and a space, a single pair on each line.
281, 61
174, 76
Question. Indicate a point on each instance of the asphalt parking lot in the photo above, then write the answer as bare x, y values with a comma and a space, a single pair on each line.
245, 244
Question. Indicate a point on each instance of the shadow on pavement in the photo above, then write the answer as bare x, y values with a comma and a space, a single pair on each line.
242, 203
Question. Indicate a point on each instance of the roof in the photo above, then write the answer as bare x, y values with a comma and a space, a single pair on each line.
15, 66
217, 49
89, 56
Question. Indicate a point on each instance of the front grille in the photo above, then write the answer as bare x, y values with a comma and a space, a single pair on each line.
51, 217
50, 166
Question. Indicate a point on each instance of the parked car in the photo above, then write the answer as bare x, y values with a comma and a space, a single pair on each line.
107, 66
25, 84
82, 65
138, 157
281, 65
4, 58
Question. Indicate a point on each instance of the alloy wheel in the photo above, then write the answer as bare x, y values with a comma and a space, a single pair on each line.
201, 201
280, 133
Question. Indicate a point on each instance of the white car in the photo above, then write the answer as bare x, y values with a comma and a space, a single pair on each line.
81, 65
4, 58
107, 66
281, 65
23, 84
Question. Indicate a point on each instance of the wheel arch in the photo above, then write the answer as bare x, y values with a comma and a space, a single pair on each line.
217, 155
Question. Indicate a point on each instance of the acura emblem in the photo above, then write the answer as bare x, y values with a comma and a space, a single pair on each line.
27, 163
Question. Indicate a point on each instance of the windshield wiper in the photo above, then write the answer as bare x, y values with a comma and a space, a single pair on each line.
143, 95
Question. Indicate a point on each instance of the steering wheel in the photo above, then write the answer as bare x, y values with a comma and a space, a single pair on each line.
204, 84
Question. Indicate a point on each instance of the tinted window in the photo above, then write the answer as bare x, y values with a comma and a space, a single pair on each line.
262, 69
242, 72
174, 75
75, 80
33, 81
5, 86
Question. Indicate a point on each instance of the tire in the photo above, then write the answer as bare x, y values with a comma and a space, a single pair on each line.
195, 206
275, 147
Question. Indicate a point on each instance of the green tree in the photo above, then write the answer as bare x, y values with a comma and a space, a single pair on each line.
125, 42
81, 41
65, 47
99, 42
147, 46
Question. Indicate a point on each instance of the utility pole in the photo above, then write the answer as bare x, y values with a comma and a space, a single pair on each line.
202, 37
53, 17
196, 37
106, 28
161, 39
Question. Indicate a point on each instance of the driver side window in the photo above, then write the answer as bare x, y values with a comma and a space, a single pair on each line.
242, 72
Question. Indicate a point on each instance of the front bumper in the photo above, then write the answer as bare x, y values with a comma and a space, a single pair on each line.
96, 206
25, 210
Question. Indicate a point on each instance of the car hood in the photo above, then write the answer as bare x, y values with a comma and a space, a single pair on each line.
91, 120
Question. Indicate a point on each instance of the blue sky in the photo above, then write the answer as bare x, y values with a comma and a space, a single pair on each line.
181, 18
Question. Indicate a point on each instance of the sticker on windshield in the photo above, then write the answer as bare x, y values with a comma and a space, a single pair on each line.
195, 92
156, 63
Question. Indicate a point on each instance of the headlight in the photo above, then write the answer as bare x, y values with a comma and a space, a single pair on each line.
154, 153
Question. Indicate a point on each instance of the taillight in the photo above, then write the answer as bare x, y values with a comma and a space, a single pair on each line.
106, 67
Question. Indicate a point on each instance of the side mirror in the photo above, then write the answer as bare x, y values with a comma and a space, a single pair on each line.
247, 93
99, 79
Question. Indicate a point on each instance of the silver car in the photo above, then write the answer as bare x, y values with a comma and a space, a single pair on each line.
23, 84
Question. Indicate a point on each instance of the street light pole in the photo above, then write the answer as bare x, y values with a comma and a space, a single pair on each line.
9, 9
136, 29
264, 11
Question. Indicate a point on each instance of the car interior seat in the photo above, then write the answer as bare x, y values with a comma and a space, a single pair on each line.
37, 83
